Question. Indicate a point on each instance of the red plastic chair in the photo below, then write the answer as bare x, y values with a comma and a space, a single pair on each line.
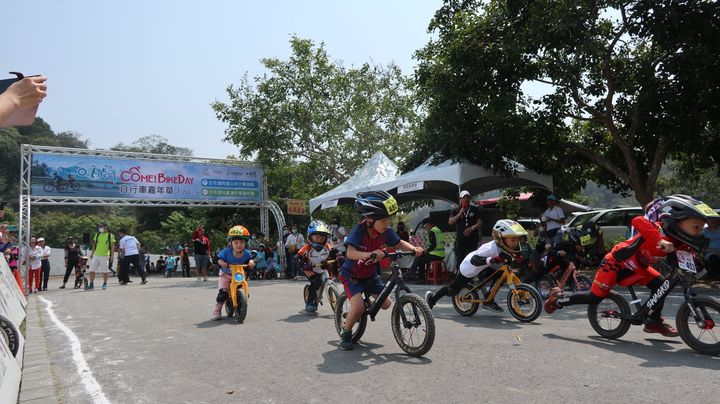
437, 273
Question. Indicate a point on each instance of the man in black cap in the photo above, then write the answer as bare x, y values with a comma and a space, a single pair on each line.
466, 218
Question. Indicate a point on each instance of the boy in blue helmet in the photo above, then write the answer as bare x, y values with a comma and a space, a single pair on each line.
313, 257
366, 245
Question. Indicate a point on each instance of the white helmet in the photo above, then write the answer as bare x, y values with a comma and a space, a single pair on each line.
507, 228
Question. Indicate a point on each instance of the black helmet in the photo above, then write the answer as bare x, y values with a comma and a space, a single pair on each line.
376, 204
677, 208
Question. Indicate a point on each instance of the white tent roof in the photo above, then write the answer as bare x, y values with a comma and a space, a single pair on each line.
447, 179
377, 170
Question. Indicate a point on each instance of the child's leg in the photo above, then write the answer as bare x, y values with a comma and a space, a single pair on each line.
315, 282
357, 307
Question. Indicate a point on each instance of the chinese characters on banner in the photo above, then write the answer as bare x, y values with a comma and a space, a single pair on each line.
296, 207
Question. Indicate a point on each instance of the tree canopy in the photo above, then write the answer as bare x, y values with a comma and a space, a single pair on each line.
311, 122
626, 85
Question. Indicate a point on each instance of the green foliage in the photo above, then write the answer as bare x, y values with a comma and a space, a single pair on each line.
325, 118
509, 203
706, 187
626, 85
153, 144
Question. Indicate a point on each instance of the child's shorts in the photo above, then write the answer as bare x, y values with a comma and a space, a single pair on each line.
354, 286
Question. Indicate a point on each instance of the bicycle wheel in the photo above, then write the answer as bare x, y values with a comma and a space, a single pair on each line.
703, 338
229, 309
416, 336
74, 185
341, 310
544, 284
63, 187
333, 295
606, 317
242, 308
10, 334
465, 301
524, 303
583, 284
49, 187
306, 293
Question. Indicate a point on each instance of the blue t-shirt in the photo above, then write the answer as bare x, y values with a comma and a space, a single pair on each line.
361, 240
170, 263
228, 256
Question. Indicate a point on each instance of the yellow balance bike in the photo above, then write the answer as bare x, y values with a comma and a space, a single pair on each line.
239, 291
523, 300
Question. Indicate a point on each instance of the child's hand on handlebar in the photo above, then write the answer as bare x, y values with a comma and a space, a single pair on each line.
666, 246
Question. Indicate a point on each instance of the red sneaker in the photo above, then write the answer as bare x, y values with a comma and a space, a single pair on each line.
661, 327
551, 302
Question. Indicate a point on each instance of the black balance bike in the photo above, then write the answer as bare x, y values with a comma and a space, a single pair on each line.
696, 318
412, 322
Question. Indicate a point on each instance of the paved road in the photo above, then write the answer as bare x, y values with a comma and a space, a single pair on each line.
156, 344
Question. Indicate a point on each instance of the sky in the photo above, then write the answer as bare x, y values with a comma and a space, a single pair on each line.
121, 70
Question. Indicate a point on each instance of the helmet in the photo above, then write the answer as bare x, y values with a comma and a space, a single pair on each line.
376, 204
584, 235
677, 208
318, 227
238, 232
507, 228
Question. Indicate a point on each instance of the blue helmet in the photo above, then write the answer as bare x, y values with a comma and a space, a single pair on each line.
318, 227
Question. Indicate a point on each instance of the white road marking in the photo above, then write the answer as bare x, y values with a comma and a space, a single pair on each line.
91, 385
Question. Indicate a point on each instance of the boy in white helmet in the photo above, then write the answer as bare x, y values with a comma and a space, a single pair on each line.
504, 246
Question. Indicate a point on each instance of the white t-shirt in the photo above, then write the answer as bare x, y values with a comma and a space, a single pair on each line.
554, 213
297, 239
35, 254
129, 245
488, 250
45, 252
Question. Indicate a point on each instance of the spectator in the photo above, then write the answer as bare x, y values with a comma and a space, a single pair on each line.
555, 218
185, 261
44, 263
169, 265
129, 251
152, 267
285, 235
402, 233
160, 265
466, 218
72, 259
294, 243
20, 96
32, 255
253, 242
103, 249
712, 252
337, 234
201, 246
435, 242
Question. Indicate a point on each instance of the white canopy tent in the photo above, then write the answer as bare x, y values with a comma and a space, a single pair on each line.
379, 169
442, 181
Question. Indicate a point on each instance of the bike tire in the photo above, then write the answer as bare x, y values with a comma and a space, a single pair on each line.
48, 187
544, 285
604, 310
403, 334
229, 309
341, 311
9, 333
583, 284
684, 318
306, 293
75, 186
466, 309
241, 311
63, 187
333, 294
523, 295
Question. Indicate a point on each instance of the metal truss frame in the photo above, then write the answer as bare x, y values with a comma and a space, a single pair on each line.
266, 206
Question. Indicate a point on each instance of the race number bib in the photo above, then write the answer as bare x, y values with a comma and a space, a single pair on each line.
686, 261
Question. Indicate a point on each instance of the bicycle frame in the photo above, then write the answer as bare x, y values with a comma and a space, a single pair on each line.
238, 272
676, 277
397, 283
507, 276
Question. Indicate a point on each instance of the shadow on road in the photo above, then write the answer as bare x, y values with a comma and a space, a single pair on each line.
362, 358
303, 317
483, 318
217, 323
660, 352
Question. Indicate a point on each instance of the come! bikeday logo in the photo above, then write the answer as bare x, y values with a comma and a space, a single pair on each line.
133, 174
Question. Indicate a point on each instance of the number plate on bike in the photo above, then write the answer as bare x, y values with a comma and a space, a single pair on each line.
238, 277
686, 261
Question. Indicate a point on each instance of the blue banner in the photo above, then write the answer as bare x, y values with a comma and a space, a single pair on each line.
107, 177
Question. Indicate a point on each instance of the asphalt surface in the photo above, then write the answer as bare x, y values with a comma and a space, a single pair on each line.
155, 343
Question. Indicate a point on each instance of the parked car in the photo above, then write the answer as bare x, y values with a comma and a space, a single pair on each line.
615, 223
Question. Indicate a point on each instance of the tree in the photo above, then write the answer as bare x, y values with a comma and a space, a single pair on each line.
628, 84
153, 144
312, 122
